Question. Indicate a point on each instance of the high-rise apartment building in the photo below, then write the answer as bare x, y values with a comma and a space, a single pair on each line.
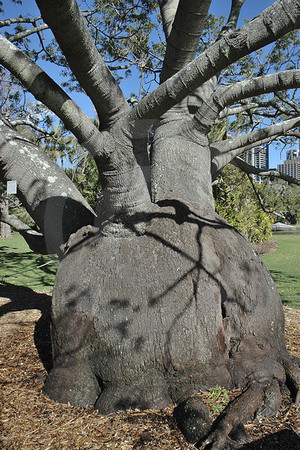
291, 166
257, 157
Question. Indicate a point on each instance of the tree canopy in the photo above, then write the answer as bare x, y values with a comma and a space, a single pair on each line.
236, 83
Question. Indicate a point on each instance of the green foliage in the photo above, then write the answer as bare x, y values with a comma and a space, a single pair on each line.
85, 177
125, 33
235, 200
283, 199
218, 398
284, 266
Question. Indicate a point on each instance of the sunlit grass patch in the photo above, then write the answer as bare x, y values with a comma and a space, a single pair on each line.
284, 266
21, 267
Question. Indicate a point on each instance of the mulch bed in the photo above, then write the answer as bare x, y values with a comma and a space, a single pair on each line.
266, 247
31, 420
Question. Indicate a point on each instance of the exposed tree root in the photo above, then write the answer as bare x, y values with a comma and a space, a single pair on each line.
229, 429
293, 377
193, 419
235, 414
272, 399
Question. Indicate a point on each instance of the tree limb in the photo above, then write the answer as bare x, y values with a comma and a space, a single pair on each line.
50, 94
26, 33
8, 22
44, 189
229, 95
168, 10
280, 18
249, 169
204, 92
278, 81
30, 124
237, 110
72, 34
183, 40
225, 151
252, 139
236, 6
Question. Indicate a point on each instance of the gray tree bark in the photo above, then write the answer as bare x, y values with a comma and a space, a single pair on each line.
43, 188
5, 230
161, 297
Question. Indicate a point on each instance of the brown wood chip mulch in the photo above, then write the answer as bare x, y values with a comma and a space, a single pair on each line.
30, 420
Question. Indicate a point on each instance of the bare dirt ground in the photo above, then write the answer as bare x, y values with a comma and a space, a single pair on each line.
30, 420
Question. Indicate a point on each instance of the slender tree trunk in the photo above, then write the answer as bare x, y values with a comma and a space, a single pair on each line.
5, 230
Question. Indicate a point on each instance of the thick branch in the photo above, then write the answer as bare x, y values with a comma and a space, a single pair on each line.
168, 10
225, 151
279, 81
183, 41
280, 18
249, 169
229, 95
250, 140
50, 94
47, 193
14, 222
72, 34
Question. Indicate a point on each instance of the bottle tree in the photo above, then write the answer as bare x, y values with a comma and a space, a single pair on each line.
156, 296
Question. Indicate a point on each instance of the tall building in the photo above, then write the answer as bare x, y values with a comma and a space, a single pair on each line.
291, 166
292, 154
258, 157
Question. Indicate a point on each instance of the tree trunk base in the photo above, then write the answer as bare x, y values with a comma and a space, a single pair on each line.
142, 321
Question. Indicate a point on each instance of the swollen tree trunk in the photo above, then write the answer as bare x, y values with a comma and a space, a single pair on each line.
161, 298
142, 319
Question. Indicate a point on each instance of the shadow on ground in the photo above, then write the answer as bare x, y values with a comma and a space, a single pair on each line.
283, 439
24, 299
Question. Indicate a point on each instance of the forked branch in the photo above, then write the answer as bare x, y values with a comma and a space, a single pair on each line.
225, 151
183, 41
277, 20
51, 95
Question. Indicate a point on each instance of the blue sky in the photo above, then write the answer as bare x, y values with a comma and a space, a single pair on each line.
250, 9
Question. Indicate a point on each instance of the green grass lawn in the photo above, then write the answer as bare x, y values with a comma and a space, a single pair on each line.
284, 265
19, 266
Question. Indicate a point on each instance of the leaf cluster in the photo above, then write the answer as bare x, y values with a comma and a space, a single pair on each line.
282, 198
236, 202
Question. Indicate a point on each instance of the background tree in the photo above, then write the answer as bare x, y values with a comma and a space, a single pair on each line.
237, 202
161, 297
282, 200
5, 230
